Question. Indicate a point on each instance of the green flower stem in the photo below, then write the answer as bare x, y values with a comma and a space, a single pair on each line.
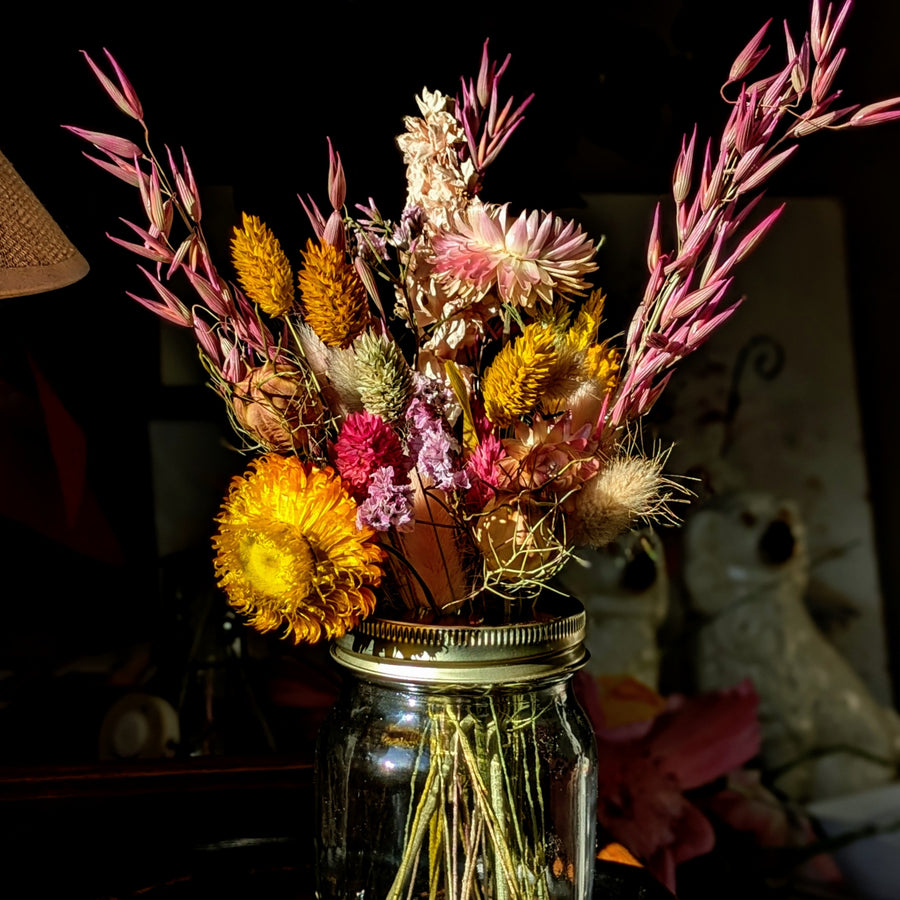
501, 757
482, 799
498, 805
454, 826
476, 836
479, 779
424, 811
536, 810
412, 881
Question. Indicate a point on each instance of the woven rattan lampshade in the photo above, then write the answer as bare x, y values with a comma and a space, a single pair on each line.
35, 255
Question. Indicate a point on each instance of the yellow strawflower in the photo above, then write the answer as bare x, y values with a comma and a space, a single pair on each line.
335, 304
262, 267
289, 554
520, 375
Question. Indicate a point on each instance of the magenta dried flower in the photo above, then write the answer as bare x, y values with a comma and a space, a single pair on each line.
483, 472
366, 443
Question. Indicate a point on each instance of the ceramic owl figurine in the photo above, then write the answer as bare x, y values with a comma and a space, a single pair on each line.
625, 590
746, 571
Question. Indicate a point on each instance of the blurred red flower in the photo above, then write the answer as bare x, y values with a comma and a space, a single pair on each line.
646, 766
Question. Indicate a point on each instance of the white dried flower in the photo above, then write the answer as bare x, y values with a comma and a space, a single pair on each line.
437, 181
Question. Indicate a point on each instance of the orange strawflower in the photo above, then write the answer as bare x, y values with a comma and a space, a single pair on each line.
289, 554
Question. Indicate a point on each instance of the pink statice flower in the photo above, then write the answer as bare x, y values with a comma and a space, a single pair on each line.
421, 418
389, 503
434, 449
365, 445
537, 256
412, 223
371, 247
434, 392
645, 767
438, 460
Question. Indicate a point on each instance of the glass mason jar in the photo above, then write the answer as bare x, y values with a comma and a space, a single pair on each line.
457, 764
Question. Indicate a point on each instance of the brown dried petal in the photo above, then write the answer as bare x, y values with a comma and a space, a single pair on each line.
275, 408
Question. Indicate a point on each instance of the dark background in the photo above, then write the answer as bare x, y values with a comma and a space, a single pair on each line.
252, 95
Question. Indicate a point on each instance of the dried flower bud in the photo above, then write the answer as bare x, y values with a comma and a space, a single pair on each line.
627, 490
384, 379
518, 541
275, 407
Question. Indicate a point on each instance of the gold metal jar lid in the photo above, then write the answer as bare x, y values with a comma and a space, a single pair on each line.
390, 650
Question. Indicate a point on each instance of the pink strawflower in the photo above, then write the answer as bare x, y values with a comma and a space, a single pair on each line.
365, 445
388, 504
538, 256
550, 455
645, 768
447, 322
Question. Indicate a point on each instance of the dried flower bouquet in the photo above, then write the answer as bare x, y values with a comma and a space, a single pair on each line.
437, 418
432, 398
